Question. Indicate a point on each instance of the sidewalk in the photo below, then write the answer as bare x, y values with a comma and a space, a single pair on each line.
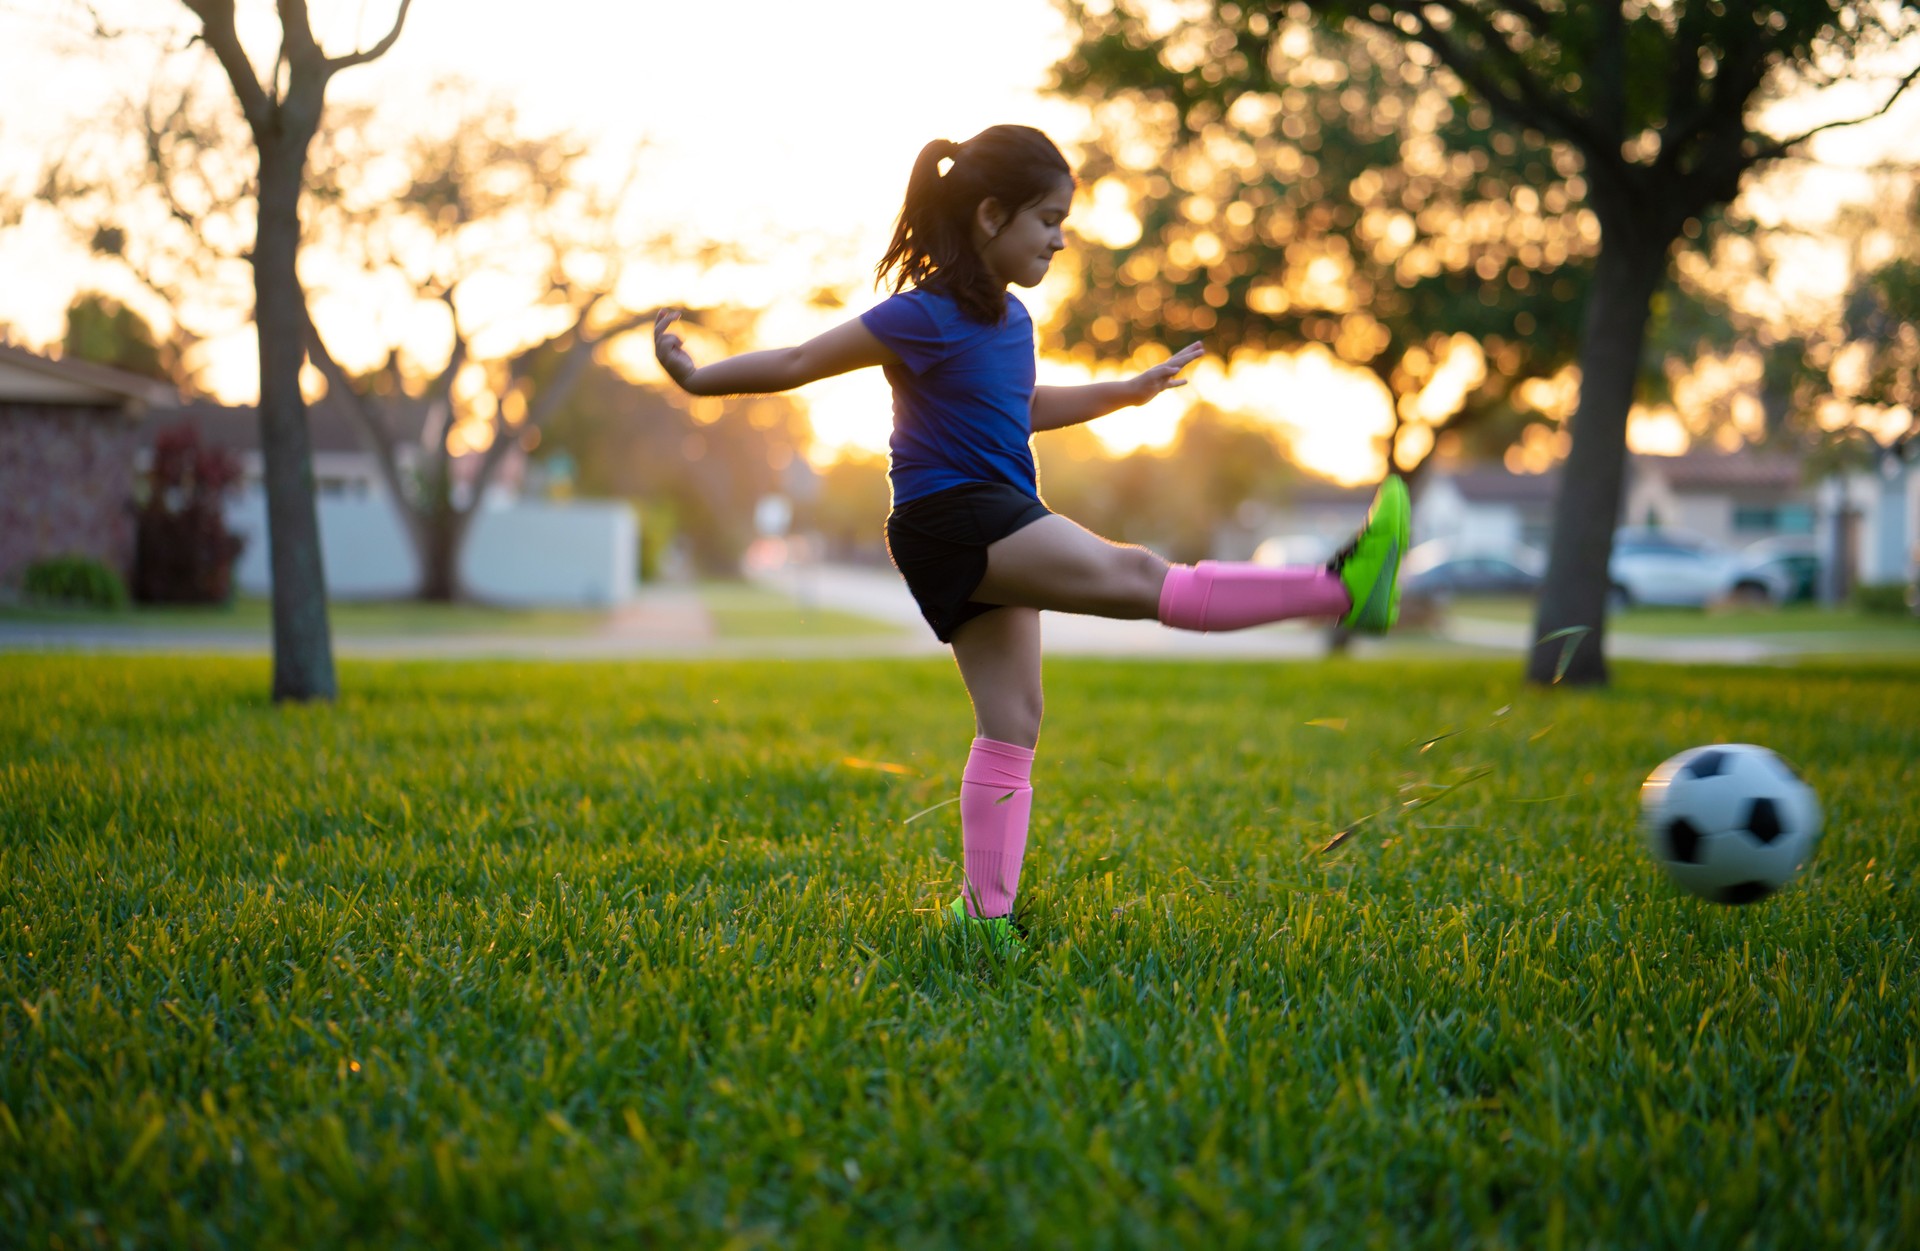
666, 621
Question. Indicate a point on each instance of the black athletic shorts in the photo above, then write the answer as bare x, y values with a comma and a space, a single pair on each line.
939, 544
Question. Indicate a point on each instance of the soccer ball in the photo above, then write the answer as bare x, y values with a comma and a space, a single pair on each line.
1730, 822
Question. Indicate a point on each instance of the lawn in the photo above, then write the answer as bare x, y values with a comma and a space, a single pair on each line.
738, 610
1843, 627
542, 955
349, 618
747, 610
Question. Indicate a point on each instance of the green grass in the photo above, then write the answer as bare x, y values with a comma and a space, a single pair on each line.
542, 955
745, 610
1847, 626
383, 618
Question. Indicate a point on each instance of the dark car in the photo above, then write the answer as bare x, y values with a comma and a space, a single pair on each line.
1439, 570
1784, 569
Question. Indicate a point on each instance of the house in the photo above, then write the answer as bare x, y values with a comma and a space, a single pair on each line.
582, 553
1890, 541
343, 468
1872, 513
69, 433
1486, 508
1730, 499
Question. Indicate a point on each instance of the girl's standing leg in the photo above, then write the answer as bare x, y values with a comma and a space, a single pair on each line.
999, 657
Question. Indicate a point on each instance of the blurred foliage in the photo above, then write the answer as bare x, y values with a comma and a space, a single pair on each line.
74, 582
103, 330
1389, 179
1175, 500
1886, 599
849, 511
1293, 184
183, 552
1880, 358
697, 465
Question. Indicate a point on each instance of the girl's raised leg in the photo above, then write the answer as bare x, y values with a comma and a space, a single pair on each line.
999, 657
1058, 565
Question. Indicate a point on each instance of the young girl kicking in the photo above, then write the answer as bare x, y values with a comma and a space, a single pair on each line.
968, 531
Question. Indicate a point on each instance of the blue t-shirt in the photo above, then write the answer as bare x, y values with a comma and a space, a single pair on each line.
962, 394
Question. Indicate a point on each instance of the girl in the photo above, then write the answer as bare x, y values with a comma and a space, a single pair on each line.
968, 531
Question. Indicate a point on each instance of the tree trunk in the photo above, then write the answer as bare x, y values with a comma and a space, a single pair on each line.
1631, 265
302, 638
442, 533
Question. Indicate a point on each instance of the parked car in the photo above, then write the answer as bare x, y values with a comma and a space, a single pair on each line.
1670, 567
1440, 569
1789, 562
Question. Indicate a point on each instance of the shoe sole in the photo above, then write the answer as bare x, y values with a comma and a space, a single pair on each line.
1369, 619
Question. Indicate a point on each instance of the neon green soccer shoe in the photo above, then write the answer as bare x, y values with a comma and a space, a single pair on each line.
1369, 564
998, 933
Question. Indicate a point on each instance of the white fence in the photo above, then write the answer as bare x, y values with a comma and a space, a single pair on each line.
524, 554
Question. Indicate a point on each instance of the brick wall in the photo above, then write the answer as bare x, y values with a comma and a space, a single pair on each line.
66, 483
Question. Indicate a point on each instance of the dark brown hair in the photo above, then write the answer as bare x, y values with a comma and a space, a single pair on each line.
933, 240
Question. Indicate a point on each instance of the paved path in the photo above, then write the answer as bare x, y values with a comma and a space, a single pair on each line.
881, 595
670, 621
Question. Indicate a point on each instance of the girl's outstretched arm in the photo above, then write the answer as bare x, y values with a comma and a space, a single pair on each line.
1054, 407
846, 347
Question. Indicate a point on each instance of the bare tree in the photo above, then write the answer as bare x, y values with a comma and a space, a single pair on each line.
483, 204
469, 204
283, 107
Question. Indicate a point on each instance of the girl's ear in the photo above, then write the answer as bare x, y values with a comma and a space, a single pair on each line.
989, 217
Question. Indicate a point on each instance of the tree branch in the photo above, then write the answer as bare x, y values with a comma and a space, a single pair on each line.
579, 355
1686, 112
1609, 74
1522, 99
340, 389
297, 43
1778, 147
217, 28
378, 50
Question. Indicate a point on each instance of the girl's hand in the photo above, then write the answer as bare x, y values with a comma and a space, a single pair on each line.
668, 349
1165, 375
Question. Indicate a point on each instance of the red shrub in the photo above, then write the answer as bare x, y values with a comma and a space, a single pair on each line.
183, 552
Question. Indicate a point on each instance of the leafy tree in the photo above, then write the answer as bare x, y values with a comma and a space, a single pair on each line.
1655, 100
1297, 185
1881, 326
103, 330
283, 107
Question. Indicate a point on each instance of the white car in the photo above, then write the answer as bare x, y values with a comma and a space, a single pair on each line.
1670, 567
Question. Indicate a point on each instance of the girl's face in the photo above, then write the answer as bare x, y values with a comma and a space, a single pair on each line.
1019, 249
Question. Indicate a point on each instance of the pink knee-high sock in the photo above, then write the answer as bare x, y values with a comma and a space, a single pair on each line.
1221, 595
996, 799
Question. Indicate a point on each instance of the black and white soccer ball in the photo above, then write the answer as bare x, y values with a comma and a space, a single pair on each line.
1730, 822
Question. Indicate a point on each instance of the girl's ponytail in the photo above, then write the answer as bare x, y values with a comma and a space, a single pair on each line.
933, 239
922, 235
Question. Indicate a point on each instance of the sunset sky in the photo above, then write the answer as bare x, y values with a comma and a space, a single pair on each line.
784, 129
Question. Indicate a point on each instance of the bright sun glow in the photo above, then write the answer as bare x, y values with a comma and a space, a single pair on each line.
782, 132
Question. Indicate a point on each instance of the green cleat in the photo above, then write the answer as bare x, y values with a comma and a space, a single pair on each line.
997, 932
1369, 564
